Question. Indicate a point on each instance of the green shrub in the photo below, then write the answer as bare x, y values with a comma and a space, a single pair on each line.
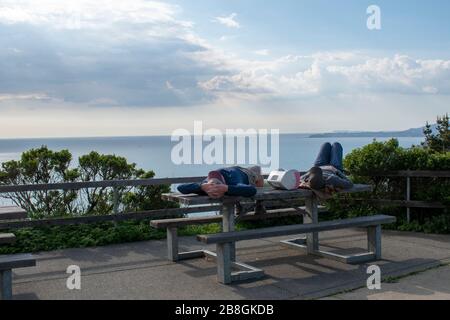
379, 157
101, 234
44, 166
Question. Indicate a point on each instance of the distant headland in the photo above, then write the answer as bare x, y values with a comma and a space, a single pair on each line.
413, 133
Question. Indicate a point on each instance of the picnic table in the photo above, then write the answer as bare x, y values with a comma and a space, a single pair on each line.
228, 210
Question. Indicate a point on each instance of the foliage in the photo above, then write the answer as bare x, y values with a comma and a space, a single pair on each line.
39, 166
43, 166
379, 157
100, 234
146, 197
439, 142
80, 236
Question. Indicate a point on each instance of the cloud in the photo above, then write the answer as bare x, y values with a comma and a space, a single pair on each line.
82, 14
142, 54
102, 53
227, 37
400, 73
18, 97
228, 21
330, 73
262, 52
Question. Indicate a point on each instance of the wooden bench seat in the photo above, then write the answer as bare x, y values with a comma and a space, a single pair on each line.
12, 213
7, 238
7, 264
295, 229
172, 225
224, 240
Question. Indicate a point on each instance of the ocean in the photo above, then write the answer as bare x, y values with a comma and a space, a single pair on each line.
154, 153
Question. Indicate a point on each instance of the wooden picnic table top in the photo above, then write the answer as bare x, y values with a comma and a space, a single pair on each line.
263, 194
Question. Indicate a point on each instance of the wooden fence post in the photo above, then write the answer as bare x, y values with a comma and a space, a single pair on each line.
408, 198
116, 200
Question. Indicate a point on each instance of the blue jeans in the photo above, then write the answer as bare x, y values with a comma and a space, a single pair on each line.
330, 155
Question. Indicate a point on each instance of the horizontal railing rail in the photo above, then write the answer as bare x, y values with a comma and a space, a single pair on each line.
412, 174
140, 215
96, 184
407, 202
115, 184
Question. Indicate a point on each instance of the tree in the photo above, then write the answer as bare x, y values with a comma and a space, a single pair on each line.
98, 167
145, 198
439, 142
40, 166
43, 166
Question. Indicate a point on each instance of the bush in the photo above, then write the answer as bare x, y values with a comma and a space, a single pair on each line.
379, 157
101, 234
44, 166
80, 236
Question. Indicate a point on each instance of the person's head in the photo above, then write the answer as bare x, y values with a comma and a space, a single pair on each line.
316, 181
215, 177
259, 183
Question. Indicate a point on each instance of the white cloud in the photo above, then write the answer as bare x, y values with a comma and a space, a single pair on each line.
142, 54
107, 52
227, 37
228, 21
29, 96
145, 43
262, 52
330, 74
430, 89
84, 13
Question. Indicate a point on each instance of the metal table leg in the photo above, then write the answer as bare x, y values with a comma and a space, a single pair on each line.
311, 243
312, 216
228, 225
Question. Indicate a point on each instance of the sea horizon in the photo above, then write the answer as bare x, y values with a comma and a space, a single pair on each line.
297, 151
306, 134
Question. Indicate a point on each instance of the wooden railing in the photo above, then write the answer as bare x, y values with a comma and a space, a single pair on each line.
116, 184
408, 203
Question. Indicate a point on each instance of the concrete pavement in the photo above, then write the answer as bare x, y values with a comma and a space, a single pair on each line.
432, 284
141, 271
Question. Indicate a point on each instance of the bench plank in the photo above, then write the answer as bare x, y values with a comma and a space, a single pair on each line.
262, 194
8, 262
182, 222
296, 229
12, 213
266, 193
7, 238
271, 214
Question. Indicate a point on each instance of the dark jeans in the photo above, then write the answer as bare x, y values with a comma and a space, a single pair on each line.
330, 155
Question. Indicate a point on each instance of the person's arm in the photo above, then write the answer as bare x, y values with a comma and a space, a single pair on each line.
242, 190
189, 188
339, 183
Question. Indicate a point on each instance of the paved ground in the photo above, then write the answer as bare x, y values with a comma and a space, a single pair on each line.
141, 271
433, 284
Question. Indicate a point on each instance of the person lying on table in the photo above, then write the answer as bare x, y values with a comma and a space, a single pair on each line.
234, 181
327, 176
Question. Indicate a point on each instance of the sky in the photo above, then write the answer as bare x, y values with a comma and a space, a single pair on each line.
138, 67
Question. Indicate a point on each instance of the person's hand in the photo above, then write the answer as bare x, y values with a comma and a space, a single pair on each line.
219, 191
215, 191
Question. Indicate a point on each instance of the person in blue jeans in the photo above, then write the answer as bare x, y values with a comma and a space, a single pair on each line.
234, 181
328, 172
